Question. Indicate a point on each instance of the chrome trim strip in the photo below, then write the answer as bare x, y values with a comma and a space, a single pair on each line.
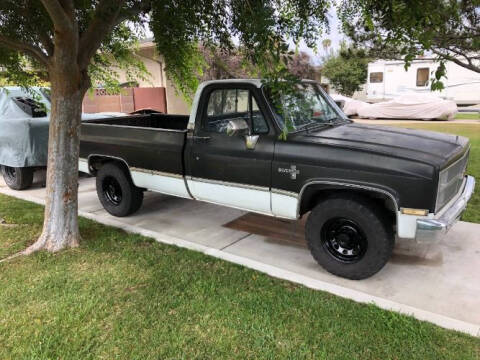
135, 127
363, 187
155, 172
467, 152
284, 192
108, 157
230, 184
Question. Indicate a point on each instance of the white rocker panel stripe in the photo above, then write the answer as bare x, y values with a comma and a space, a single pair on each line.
244, 197
284, 204
165, 183
83, 165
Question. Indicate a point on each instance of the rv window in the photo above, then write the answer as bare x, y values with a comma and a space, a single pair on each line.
422, 76
376, 77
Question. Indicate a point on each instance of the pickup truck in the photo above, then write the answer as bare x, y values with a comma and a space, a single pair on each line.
361, 186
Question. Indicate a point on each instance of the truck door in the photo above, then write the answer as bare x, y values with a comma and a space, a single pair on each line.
232, 170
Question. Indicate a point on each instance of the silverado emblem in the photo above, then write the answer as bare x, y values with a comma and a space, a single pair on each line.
292, 171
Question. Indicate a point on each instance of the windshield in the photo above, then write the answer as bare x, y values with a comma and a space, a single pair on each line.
303, 107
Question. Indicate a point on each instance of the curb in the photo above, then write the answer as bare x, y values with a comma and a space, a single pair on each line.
358, 296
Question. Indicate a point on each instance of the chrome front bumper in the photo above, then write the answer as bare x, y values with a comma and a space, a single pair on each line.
433, 229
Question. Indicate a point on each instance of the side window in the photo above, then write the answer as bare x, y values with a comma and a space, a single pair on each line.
376, 77
229, 104
258, 121
423, 75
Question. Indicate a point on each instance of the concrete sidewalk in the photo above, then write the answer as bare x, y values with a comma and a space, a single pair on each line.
437, 283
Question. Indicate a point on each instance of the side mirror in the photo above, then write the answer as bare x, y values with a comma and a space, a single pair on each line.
237, 127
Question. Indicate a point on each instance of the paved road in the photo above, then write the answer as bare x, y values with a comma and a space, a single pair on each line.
439, 283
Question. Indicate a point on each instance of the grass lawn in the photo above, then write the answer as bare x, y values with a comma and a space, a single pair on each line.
125, 296
472, 131
467, 116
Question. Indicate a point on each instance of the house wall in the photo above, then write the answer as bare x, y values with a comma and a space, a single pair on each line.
176, 104
154, 64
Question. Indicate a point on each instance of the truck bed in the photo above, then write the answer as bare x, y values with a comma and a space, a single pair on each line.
153, 141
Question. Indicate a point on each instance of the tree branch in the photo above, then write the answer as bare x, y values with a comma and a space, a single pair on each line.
469, 66
108, 15
58, 15
28, 49
143, 6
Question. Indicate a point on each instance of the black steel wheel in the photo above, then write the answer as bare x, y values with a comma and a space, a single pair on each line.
18, 178
9, 173
112, 190
344, 239
116, 190
350, 236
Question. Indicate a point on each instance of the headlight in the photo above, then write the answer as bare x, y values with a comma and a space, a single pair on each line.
450, 181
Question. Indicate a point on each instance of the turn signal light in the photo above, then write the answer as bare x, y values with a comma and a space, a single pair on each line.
418, 212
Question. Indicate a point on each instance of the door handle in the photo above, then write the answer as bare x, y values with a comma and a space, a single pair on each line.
201, 138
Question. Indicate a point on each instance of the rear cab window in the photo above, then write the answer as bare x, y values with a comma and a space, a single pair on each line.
230, 104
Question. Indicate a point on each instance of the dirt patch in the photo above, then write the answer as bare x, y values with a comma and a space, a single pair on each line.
292, 231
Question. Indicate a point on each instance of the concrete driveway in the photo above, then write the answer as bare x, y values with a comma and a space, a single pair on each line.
438, 283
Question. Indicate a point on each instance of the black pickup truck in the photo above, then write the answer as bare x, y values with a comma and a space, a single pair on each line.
361, 185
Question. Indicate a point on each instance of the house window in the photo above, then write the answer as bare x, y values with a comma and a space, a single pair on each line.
376, 77
423, 75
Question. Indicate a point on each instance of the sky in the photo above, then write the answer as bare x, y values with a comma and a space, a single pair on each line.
335, 37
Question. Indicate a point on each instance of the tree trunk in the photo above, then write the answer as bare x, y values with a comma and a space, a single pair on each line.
68, 86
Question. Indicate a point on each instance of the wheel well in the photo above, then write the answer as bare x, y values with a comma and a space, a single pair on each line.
313, 195
95, 163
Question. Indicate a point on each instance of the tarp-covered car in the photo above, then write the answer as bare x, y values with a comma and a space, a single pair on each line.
410, 106
24, 123
348, 105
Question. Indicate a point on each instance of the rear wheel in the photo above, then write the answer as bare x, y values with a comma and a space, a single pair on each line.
350, 236
18, 178
116, 191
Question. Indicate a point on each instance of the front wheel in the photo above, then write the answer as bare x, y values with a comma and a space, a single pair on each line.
350, 236
116, 191
18, 178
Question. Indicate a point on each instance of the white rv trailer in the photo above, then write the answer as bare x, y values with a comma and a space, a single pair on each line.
388, 79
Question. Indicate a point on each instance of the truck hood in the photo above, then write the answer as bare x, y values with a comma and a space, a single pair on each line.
429, 147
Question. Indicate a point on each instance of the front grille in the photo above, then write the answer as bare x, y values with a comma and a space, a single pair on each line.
450, 181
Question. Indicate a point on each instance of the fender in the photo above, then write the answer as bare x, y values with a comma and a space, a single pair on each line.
90, 156
329, 184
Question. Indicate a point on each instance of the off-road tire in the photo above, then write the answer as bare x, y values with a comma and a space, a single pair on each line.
373, 223
18, 178
131, 197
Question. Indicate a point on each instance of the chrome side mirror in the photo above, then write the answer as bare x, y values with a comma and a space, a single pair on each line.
251, 141
237, 127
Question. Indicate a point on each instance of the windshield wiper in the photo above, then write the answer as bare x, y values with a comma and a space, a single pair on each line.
316, 125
